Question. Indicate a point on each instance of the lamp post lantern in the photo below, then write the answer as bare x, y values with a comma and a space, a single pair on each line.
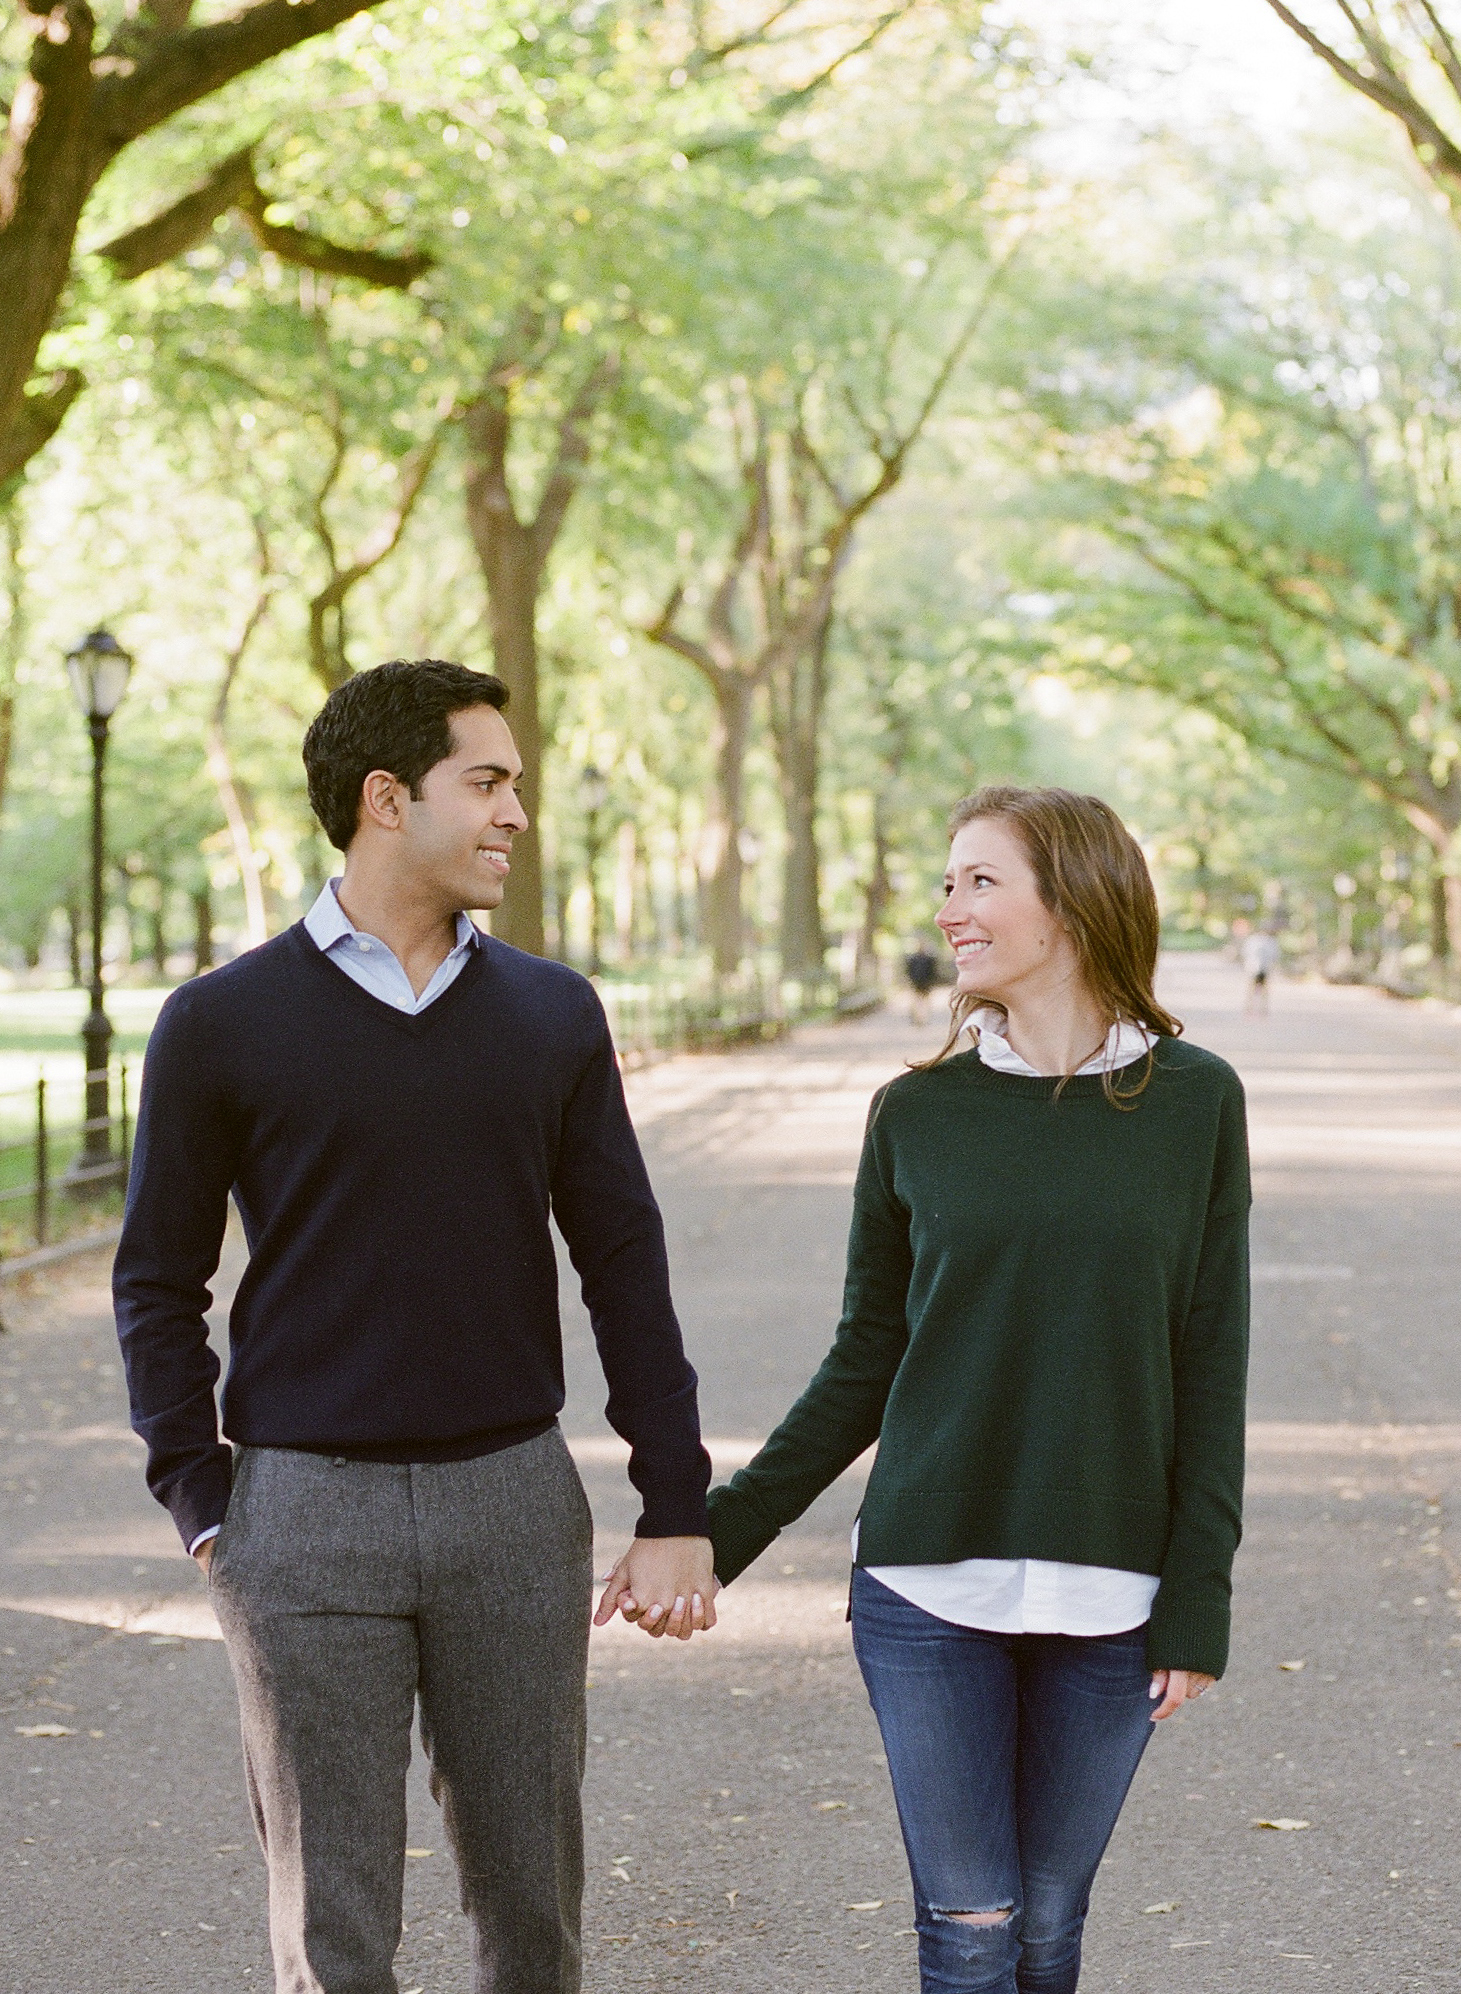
593, 790
99, 670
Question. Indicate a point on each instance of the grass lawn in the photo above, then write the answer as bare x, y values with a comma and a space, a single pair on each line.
40, 1034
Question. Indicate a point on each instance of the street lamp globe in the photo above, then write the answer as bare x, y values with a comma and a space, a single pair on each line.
99, 670
593, 789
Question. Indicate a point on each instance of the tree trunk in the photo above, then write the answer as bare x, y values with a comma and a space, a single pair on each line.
513, 574
512, 594
798, 697
50, 164
158, 916
878, 894
720, 851
1451, 915
240, 832
202, 929
73, 945
13, 647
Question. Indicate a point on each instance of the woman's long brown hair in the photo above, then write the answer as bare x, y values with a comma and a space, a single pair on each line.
1092, 877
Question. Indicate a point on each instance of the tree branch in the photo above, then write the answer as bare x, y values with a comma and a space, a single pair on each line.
232, 185
316, 252
571, 456
36, 421
1443, 48
138, 250
788, 100
182, 68
1390, 91
329, 661
663, 631
220, 761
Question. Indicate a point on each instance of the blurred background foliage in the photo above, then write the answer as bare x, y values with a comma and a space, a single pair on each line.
812, 412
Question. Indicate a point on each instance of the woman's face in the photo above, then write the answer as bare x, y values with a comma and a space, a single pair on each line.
1006, 942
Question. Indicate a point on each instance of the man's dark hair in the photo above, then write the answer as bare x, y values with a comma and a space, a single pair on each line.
395, 717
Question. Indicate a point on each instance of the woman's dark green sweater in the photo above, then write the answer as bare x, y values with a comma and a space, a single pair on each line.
1045, 1329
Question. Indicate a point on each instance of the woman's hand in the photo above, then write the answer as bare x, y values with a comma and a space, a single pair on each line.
1175, 1687
666, 1585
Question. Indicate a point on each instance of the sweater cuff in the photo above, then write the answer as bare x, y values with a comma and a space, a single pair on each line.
740, 1530
198, 1500
670, 1468
1189, 1630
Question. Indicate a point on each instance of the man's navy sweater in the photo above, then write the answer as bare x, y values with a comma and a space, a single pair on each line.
395, 1175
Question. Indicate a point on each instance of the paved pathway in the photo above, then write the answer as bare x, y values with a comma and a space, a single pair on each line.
741, 1830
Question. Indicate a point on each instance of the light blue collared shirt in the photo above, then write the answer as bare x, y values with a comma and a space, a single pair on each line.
367, 961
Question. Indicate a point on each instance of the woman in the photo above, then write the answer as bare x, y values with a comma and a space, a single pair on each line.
1045, 1331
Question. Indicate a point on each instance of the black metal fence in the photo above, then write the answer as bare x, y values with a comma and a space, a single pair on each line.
59, 1171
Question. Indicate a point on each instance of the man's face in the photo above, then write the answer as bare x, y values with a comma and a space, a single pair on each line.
456, 836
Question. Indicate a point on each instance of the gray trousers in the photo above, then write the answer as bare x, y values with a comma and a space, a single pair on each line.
345, 1591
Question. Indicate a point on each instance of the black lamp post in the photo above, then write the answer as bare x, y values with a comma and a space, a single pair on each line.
99, 669
593, 789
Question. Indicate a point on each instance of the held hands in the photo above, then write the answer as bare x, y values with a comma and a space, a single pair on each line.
666, 1585
1176, 1687
204, 1555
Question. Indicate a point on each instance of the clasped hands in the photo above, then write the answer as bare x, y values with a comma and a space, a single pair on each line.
666, 1585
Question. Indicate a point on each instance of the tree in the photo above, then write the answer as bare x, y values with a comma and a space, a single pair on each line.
514, 552
73, 111
1248, 506
1403, 57
814, 452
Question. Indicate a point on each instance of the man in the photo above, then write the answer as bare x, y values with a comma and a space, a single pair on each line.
1261, 956
921, 969
397, 1102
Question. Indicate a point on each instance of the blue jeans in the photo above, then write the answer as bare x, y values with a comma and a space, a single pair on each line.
1010, 1755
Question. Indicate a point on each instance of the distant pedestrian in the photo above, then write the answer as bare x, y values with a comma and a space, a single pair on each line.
1260, 955
1045, 1333
920, 966
398, 1102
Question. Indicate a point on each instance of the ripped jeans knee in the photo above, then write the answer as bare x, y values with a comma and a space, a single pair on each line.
972, 1951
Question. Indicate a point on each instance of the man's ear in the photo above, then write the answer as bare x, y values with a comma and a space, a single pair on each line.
380, 801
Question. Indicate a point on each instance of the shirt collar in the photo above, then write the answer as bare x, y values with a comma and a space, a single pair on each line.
1125, 1042
327, 923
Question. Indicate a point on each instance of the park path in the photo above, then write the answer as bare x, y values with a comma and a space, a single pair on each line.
741, 1833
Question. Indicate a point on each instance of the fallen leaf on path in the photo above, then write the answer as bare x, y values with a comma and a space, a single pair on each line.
829, 1806
44, 1731
1292, 1668
1160, 1910
419, 1853
873, 1904
1283, 1824
730, 1898
1188, 1945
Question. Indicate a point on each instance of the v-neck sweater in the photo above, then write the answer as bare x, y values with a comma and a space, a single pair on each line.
395, 1175
1044, 1330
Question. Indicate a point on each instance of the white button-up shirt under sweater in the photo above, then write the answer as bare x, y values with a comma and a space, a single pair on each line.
1029, 1595
367, 961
